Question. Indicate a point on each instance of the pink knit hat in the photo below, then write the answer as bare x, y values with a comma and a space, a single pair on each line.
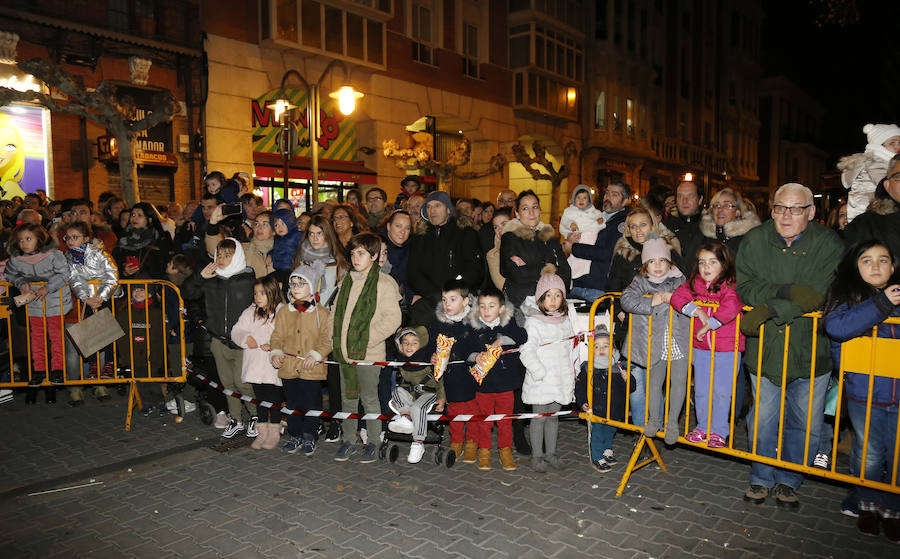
548, 282
654, 247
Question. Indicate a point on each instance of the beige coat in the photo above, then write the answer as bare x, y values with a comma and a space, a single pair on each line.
385, 322
492, 257
302, 333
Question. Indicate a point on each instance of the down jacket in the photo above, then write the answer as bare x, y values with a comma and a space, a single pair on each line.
537, 248
256, 367
47, 265
301, 333
724, 324
845, 323
507, 372
97, 265
441, 253
881, 221
549, 369
635, 302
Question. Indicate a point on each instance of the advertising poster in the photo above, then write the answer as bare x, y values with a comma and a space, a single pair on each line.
24, 150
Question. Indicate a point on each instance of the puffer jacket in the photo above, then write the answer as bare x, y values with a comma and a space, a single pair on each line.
97, 265
459, 385
224, 300
507, 372
301, 333
417, 379
47, 265
641, 309
729, 234
441, 253
881, 221
845, 323
537, 248
722, 320
549, 369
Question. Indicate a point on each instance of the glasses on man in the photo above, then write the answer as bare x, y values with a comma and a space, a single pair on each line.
894, 177
724, 206
795, 210
374, 198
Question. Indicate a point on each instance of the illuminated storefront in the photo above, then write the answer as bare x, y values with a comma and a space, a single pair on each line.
25, 154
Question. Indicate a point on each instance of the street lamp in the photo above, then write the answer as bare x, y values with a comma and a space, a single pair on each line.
346, 97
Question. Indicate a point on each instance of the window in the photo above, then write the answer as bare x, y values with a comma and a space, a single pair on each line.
545, 94
519, 5
470, 50
617, 124
117, 14
629, 117
600, 21
312, 25
600, 111
421, 34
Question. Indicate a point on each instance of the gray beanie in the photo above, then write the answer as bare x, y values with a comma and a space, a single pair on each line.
312, 274
439, 196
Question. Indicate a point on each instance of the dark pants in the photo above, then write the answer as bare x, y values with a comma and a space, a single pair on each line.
334, 387
268, 393
303, 395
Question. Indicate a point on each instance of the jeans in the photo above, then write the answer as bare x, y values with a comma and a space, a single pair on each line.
879, 451
601, 439
794, 442
638, 398
723, 376
586, 293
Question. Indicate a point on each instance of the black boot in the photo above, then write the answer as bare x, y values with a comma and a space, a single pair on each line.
31, 396
523, 447
50, 395
57, 378
37, 378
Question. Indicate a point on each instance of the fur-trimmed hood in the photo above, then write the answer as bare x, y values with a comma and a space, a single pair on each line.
441, 316
624, 249
462, 220
852, 165
736, 228
543, 232
12, 247
884, 206
474, 318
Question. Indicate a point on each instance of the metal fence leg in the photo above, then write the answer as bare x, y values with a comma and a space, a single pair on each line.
134, 400
633, 464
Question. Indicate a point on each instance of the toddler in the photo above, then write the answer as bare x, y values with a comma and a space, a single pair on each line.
581, 216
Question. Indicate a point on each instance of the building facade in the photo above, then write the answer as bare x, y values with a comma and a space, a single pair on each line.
141, 48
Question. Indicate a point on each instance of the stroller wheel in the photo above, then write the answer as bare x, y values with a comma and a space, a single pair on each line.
450, 459
438, 456
207, 413
382, 450
393, 453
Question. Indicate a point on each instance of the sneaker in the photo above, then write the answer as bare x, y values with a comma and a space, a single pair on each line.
821, 461
608, 457
756, 494
172, 406
148, 410
293, 445
401, 424
786, 496
601, 465
222, 420
334, 432
850, 505
715, 441
370, 453
308, 447
252, 431
696, 436
345, 451
416, 452
234, 427
57, 378
6, 395
364, 435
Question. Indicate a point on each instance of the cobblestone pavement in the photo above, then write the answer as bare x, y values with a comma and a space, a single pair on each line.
161, 491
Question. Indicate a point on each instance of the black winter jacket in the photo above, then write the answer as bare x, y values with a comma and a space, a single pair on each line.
537, 249
687, 229
225, 300
441, 253
507, 373
459, 385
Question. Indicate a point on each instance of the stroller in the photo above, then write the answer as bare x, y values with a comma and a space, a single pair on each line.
390, 446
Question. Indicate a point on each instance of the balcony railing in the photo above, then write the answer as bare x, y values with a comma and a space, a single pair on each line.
679, 152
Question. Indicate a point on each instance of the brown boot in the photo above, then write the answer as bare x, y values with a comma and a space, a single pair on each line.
506, 459
257, 443
470, 454
273, 436
457, 448
484, 459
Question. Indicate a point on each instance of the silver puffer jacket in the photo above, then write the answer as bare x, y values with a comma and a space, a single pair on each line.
98, 265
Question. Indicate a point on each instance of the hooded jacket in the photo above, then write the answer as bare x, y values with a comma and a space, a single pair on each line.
536, 247
585, 219
641, 309
416, 378
46, 265
256, 367
438, 253
507, 373
626, 259
459, 385
97, 265
601, 383
226, 297
881, 221
549, 369
729, 234
860, 174
285, 246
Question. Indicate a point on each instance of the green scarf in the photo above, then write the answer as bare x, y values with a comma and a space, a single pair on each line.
358, 329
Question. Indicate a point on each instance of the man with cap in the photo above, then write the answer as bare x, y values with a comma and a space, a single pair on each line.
440, 250
862, 172
409, 187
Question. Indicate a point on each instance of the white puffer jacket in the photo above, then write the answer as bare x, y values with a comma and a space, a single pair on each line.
549, 369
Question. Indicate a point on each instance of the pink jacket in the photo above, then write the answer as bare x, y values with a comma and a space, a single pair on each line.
722, 320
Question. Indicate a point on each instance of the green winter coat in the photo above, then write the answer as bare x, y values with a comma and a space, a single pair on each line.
764, 264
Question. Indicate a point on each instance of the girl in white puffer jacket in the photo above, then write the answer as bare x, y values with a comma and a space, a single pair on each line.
551, 361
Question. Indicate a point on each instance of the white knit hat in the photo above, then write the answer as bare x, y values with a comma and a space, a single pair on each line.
877, 134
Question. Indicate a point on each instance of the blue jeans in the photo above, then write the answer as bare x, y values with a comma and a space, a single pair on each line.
601, 439
723, 377
638, 398
879, 451
586, 293
794, 442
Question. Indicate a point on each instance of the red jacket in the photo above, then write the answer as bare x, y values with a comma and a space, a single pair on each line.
729, 307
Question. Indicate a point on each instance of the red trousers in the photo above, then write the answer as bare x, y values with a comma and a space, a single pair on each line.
457, 427
491, 403
55, 345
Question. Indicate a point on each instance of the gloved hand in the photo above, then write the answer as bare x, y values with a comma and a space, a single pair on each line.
752, 320
804, 296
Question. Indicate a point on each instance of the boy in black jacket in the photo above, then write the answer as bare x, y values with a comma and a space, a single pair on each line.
492, 325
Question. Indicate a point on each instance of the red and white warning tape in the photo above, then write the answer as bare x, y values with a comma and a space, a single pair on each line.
363, 417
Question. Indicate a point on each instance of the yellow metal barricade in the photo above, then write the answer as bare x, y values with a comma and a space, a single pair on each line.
146, 327
870, 355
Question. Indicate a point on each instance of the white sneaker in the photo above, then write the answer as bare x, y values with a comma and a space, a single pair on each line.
401, 424
416, 451
6, 395
189, 407
222, 420
252, 432
821, 461
364, 436
234, 427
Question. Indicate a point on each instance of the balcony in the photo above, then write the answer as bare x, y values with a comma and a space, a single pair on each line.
544, 96
678, 152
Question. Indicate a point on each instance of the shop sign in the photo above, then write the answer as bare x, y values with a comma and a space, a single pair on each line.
108, 151
151, 147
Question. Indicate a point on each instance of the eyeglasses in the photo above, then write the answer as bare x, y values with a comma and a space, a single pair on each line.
298, 283
73, 237
779, 209
374, 198
339, 217
894, 177
724, 206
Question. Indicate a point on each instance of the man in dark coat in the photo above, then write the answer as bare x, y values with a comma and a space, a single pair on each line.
882, 219
440, 250
686, 225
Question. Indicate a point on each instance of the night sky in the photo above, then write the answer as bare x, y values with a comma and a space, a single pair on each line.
844, 53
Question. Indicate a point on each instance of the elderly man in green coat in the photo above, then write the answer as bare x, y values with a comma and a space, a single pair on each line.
784, 267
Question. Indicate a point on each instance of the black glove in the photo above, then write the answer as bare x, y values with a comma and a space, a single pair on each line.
804, 296
752, 320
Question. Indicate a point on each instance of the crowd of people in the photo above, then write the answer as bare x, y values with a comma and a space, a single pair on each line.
291, 307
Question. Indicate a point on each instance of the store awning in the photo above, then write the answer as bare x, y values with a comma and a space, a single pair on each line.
270, 166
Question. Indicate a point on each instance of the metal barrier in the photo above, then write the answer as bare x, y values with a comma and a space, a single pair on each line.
148, 347
869, 356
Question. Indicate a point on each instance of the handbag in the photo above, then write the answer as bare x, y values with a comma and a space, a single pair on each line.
95, 332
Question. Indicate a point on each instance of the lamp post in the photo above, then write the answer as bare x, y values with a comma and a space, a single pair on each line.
346, 97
